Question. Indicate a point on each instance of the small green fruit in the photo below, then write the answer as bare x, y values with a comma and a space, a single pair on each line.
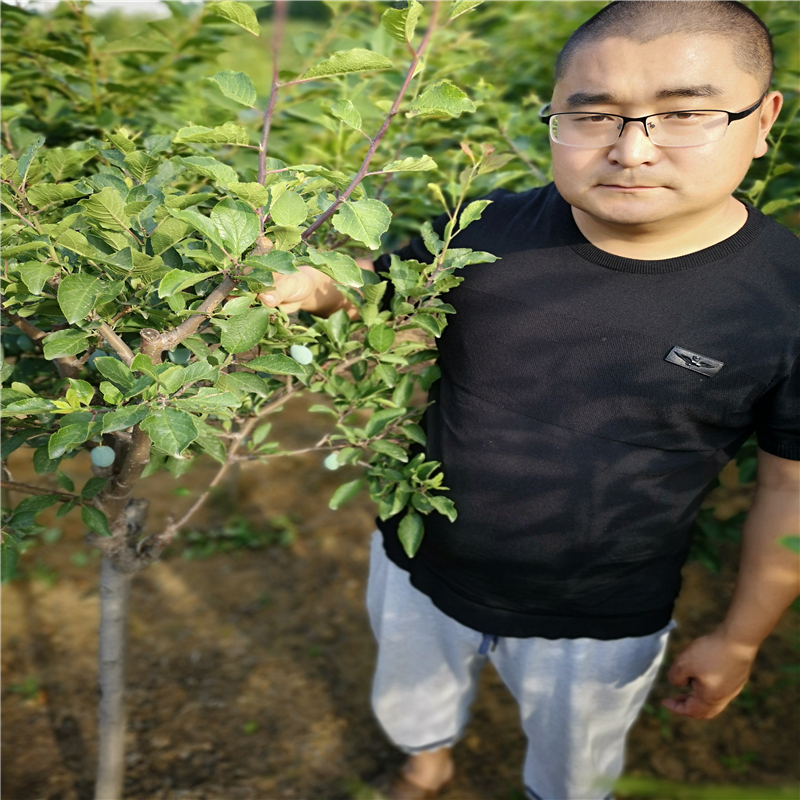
301, 354
103, 456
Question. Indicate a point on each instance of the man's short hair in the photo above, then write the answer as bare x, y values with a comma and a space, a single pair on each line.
645, 20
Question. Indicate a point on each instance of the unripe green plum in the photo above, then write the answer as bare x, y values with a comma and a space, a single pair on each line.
301, 354
103, 456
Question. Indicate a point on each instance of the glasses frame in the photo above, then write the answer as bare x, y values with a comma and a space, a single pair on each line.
733, 116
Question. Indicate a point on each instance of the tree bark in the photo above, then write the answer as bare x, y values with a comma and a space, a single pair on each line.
115, 589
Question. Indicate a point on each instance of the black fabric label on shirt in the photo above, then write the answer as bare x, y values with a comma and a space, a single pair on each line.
694, 361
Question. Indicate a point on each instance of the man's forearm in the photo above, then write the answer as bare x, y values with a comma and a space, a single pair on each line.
769, 573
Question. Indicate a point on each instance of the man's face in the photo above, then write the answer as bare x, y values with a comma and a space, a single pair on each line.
633, 182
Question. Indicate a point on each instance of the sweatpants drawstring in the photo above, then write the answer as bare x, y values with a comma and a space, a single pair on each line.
488, 642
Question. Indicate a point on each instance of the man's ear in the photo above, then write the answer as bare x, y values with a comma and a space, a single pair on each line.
770, 109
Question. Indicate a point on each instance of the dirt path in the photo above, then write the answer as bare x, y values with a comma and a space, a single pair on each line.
249, 671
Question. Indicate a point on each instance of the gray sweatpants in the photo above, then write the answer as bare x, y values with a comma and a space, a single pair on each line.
577, 697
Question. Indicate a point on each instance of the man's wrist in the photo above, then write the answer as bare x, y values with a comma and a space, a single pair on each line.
739, 640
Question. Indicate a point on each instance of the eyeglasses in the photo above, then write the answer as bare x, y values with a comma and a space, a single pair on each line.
688, 128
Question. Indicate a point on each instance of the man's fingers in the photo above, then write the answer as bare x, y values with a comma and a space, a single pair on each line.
678, 675
288, 289
688, 705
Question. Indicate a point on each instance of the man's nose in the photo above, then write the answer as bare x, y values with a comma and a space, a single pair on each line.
633, 146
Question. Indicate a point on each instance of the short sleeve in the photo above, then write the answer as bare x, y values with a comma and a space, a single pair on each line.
778, 417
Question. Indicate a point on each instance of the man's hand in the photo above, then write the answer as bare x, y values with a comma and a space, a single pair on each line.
715, 669
309, 290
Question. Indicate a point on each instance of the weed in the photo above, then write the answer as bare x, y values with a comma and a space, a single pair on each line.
239, 533
29, 688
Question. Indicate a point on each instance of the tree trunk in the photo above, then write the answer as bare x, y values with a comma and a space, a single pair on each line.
115, 589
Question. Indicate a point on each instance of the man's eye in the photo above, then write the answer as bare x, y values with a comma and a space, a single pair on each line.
594, 118
684, 115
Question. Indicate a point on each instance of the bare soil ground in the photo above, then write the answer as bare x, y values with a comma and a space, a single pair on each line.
249, 672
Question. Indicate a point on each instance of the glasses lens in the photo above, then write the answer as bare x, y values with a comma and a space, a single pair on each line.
687, 128
585, 130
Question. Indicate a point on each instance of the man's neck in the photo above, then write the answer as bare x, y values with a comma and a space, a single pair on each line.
666, 239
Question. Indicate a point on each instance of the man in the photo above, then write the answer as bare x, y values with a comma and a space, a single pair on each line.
641, 324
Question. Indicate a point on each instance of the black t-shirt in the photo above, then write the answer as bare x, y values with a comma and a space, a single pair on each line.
577, 444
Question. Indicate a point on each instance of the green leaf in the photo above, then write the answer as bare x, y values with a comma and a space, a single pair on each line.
472, 212
34, 274
95, 520
170, 429
28, 155
421, 164
236, 86
401, 23
415, 433
462, 6
122, 142
28, 405
199, 222
253, 193
141, 166
107, 209
77, 243
186, 200
211, 168
381, 337
286, 236
403, 277
339, 266
344, 62
275, 261
344, 493
380, 419
62, 163
433, 243
389, 449
66, 439
142, 363
114, 370
209, 400
77, 295
289, 209
442, 99
9, 252
444, 506
169, 232
244, 331
93, 487
387, 373
346, 112
277, 364
246, 382
237, 225
229, 133
410, 532
364, 221
427, 323
111, 394
42, 462
124, 418
242, 14
64, 343
47, 193
176, 280
9, 556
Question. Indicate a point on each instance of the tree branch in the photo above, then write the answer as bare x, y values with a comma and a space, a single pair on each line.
167, 340
26, 488
114, 497
120, 348
537, 173
328, 213
151, 548
279, 19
